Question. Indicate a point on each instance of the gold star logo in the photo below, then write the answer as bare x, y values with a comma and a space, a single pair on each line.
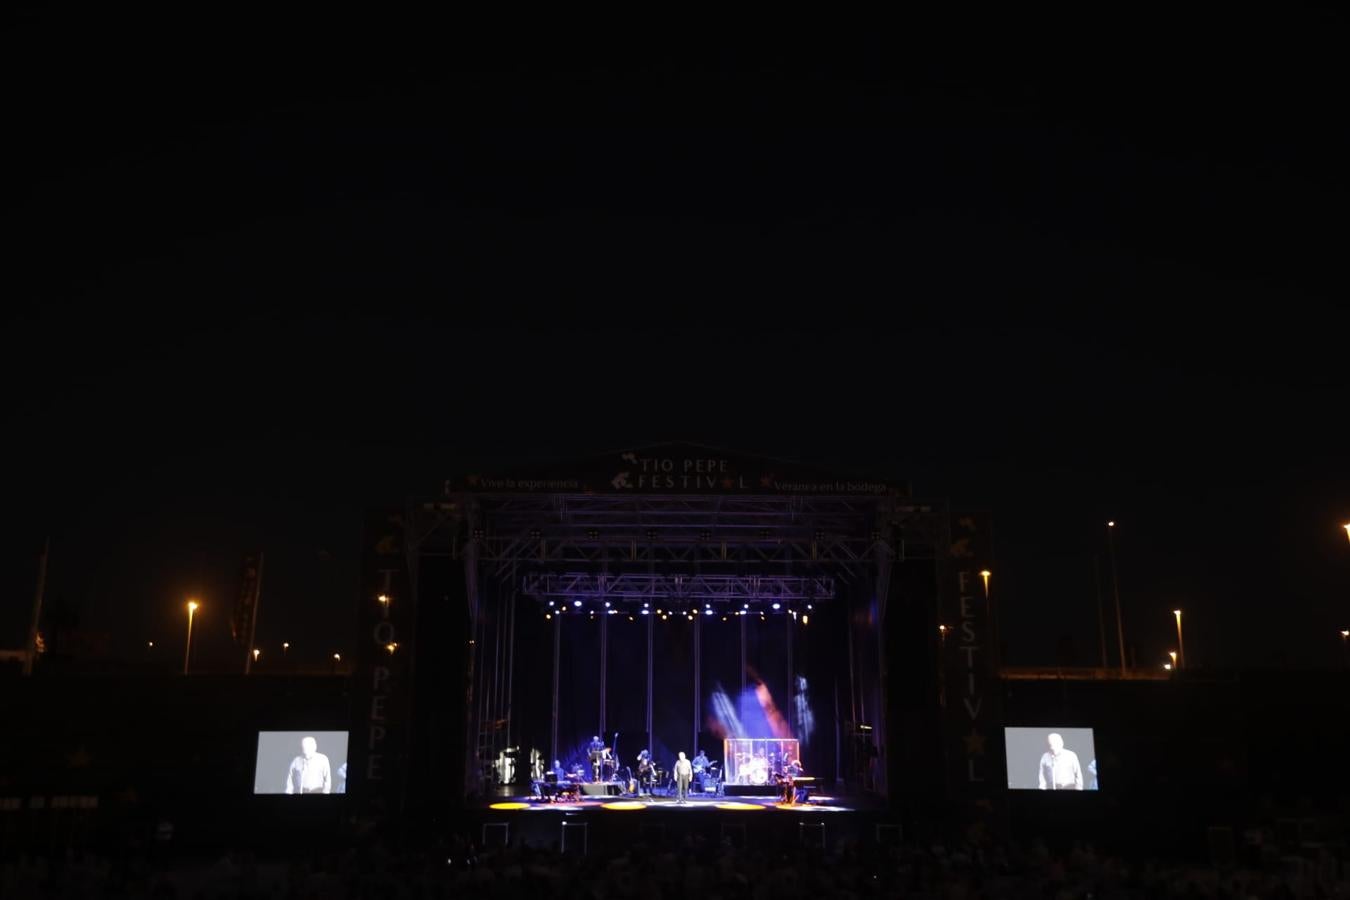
974, 743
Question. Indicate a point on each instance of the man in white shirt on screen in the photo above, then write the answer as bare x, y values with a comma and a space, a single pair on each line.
1059, 770
309, 773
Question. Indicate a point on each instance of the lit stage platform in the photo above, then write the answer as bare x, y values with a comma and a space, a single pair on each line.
820, 804
610, 825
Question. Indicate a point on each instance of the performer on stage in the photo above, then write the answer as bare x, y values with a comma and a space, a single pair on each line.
684, 771
790, 772
646, 773
596, 752
700, 764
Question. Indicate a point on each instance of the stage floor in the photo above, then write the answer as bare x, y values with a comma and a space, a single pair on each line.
818, 803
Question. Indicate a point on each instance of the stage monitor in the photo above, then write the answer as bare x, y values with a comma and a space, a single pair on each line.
301, 762
1057, 758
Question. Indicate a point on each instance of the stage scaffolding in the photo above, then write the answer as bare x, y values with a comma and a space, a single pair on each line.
691, 551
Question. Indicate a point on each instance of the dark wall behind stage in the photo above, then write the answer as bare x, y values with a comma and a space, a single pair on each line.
805, 707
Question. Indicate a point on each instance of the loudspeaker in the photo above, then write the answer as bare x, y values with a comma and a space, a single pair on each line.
603, 789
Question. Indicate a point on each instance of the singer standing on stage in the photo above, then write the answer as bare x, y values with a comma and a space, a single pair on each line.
684, 772
596, 751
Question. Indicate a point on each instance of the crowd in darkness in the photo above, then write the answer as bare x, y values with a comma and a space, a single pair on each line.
692, 869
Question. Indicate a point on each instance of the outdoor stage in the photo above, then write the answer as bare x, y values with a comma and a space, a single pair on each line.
649, 603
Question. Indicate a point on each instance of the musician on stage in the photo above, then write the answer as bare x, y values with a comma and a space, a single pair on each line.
790, 773
596, 751
700, 764
684, 772
646, 773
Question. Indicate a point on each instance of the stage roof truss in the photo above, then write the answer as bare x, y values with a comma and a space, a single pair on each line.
680, 590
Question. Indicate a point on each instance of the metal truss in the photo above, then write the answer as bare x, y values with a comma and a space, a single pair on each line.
720, 589
707, 534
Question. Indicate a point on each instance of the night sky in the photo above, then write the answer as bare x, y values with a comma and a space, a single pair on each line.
263, 276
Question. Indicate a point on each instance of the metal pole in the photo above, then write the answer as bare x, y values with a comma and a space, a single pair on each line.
557, 658
253, 618
31, 649
511, 662
1101, 605
743, 617
1115, 588
187, 653
1181, 644
604, 666
650, 630
698, 631
789, 621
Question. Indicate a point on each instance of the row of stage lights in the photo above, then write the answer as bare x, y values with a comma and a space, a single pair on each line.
555, 608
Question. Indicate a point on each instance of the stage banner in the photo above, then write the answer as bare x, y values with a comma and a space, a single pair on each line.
674, 469
382, 688
968, 690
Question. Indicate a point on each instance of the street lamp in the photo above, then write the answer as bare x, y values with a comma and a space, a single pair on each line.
256, 654
1167, 666
187, 654
1173, 654
1345, 645
1346, 526
285, 645
985, 573
1181, 643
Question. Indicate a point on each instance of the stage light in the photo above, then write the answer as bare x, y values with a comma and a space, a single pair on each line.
623, 805
1167, 666
548, 615
631, 619
606, 604
805, 618
337, 657
646, 606
576, 603
707, 612
256, 653
738, 806
777, 606
809, 606
150, 644
660, 612
747, 606
509, 806
646, 612
550, 603
665, 618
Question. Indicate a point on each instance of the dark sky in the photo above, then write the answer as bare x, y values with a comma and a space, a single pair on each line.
265, 275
